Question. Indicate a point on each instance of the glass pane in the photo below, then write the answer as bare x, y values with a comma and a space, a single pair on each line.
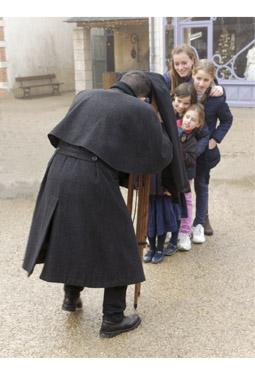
230, 36
197, 38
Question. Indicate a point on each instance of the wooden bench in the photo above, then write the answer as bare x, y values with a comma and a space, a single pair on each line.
29, 82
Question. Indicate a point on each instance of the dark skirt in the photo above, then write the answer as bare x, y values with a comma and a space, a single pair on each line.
163, 215
81, 229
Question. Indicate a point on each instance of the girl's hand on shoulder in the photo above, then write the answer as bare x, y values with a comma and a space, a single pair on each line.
216, 91
212, 144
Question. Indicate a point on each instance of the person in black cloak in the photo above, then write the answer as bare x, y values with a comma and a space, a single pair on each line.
81, 230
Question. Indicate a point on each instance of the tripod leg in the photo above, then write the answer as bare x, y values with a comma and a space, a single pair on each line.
142, 220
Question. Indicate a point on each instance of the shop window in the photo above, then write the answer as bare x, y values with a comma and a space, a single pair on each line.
233, 47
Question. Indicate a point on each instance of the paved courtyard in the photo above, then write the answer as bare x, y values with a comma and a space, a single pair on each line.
195, 304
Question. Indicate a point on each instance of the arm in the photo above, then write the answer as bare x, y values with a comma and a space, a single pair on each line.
226, 118
202, 137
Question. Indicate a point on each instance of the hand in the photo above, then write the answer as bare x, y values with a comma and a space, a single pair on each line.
167, 193
212, 144
216, 91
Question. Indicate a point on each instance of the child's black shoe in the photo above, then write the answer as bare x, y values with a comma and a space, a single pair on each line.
148, 256
157, 257
170, 249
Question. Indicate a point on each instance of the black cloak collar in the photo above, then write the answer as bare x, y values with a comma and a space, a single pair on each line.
123, 87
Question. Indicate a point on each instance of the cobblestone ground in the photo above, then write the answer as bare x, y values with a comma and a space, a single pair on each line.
195, 304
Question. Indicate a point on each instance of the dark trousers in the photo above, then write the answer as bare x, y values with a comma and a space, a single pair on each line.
114, 302
174, 236
202, 193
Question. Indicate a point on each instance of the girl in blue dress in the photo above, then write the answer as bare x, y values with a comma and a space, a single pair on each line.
164, 215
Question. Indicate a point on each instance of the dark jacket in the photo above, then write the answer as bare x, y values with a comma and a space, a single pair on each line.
81, 229
219, 120
218, 117
189, 149
174, 176
202, 137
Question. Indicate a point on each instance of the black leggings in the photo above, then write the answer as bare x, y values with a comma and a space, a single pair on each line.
160, 245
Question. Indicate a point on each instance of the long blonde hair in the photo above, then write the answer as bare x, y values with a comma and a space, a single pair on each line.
174, 76
205, 65
208, 67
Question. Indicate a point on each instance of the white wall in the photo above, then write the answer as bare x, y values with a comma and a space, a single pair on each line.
123, 46
157, 44
38, 45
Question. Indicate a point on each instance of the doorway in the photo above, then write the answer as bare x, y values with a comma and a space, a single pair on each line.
197, 34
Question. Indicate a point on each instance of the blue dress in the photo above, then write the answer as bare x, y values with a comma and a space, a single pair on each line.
164, 214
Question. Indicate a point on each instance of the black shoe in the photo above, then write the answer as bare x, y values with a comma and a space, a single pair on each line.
207, 227
158, 257
71, 302
111, 329
148, 256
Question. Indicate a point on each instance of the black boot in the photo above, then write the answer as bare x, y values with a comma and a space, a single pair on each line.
72, 300
111, 329
207, 226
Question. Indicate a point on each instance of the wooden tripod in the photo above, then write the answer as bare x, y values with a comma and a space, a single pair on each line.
141, 183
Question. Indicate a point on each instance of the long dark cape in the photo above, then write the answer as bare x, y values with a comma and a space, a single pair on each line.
81, 229
174, 175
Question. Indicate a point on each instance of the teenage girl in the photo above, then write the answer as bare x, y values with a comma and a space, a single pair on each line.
183, 59
219, 120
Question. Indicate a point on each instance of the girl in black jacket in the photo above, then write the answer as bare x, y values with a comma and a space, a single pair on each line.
195, 143
192, 121
219, 120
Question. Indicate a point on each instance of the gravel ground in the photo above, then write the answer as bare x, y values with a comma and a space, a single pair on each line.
195, 304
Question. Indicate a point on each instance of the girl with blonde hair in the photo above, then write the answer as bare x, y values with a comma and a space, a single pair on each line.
183, 60
219, 120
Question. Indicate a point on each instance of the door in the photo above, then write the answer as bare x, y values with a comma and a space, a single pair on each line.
98, 56
197, 34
